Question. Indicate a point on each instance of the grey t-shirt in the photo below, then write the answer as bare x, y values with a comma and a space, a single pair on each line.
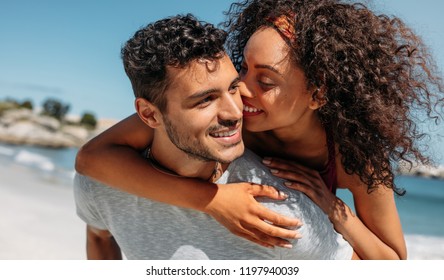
146, 229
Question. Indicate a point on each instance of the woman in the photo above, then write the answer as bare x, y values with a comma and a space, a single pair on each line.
329, 89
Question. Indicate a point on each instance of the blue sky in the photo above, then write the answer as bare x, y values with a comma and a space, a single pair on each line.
70, 49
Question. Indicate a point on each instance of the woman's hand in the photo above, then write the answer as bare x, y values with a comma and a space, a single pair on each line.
377, 236
309, 182
235, 208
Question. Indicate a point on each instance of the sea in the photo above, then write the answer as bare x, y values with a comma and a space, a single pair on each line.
421, 209
54, 164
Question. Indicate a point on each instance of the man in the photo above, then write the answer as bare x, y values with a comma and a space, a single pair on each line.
187, 91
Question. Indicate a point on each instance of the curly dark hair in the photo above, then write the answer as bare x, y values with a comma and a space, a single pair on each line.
174, 41
377, 73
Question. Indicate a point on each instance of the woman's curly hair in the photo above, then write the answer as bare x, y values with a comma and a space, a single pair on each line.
174, 41
378, 74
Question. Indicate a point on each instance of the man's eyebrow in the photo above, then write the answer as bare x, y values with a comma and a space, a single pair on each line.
204, 93
201, 94
235, 81
269, 67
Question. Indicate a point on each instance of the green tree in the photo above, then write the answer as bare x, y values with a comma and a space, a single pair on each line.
8, 104
27, 104
55, 108
89, 120
12, 102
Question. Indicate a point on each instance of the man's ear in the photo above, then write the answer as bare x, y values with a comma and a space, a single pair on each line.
148, 112
318, 98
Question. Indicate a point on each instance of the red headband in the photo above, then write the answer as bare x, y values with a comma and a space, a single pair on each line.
285, 25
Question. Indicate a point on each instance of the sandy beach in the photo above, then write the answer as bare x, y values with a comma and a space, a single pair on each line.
38, 220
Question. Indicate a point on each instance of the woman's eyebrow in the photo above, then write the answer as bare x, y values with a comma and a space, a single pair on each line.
269, 67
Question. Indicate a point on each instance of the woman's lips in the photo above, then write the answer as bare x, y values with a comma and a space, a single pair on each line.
250, 110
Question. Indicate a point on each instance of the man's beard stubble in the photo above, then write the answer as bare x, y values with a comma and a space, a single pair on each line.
195, 149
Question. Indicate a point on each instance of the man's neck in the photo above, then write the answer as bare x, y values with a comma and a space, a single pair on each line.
175, 162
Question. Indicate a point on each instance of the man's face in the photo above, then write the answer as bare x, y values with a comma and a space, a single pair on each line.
204, 111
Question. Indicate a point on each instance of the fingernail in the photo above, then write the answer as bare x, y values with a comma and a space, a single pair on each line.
282, 194
288, 246
274, 171
297, 236
288, 184
266, 161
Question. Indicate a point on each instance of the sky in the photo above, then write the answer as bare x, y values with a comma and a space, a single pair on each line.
70, 50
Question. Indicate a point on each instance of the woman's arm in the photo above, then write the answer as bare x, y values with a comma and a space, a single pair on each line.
114, 158
374, 231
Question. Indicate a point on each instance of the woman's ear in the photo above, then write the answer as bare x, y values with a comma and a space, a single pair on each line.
318, 98
148, 112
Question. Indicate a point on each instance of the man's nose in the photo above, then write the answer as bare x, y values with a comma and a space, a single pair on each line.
231, 107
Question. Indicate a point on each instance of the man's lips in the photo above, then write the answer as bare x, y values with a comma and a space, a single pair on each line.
227, 133
229, 136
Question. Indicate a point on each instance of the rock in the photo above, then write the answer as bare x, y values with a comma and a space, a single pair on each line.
11, 116
22, 126
48, 122
27, 132
421, 170
77, 132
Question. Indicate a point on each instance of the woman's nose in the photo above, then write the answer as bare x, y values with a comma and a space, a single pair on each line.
245, 91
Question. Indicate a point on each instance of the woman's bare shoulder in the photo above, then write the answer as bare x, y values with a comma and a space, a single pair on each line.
345, 180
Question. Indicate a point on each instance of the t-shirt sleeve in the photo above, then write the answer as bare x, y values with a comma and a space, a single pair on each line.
85, 204
344, 250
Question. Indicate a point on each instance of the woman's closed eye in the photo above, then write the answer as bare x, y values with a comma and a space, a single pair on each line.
266, 83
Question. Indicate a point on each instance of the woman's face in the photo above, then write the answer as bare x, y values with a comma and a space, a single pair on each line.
275, 93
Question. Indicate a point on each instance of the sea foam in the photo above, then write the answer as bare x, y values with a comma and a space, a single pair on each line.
34, 160
423, 247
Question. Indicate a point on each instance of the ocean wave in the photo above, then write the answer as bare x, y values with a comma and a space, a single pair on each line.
424, 247
34, 160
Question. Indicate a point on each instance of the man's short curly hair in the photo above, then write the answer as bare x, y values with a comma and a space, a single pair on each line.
174, 41
377, 73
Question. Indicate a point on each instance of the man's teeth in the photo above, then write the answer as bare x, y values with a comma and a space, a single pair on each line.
250, 109
225, 134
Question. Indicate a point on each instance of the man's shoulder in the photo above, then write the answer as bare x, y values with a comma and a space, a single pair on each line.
248, 168
248, 158
90, 187
248, 162
84, 182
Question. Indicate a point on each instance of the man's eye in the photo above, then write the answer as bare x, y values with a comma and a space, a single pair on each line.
205, 101
234, 88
